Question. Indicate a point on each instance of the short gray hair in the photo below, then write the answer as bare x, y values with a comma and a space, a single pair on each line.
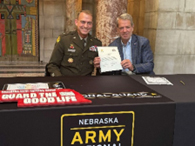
88, 12
125, 16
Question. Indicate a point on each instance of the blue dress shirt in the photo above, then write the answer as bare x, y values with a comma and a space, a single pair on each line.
127, 52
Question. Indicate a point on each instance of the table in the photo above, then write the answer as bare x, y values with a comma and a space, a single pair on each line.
184, 97
146, 121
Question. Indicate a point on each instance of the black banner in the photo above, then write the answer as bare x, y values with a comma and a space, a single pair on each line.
101, 128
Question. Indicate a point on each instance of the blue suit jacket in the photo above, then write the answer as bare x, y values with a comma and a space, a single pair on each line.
142, 56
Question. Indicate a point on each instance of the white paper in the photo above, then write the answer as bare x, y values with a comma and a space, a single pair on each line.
27, 86
156, 80
110, 59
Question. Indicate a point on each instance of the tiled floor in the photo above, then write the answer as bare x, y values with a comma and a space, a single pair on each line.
20, 70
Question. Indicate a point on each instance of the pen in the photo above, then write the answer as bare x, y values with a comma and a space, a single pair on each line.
182, 82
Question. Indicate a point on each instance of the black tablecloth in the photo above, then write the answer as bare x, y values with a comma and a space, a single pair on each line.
155, 119
182, 93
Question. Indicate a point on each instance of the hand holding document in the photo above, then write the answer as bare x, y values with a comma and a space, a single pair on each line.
110, 59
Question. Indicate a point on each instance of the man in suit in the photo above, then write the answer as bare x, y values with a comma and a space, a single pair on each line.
74, 52
135, 51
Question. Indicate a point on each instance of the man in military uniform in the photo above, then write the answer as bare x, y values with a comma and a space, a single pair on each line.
74, 52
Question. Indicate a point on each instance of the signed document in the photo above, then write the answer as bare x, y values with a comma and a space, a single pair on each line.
110, 59
156, 80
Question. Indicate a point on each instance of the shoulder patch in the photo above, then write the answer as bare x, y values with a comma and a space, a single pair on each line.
58, 39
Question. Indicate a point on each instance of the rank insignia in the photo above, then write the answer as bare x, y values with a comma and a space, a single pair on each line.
91, 62
71, 46
58, 39
93, 48
70, 60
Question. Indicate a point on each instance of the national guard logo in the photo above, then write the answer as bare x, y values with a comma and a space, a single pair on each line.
58, 39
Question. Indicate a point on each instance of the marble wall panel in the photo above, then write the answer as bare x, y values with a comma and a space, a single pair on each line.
73, 7
49, 22
47, 55
49, 43
142, 8
181, 21
189, 6
59, 22
167, 20
177, 64
48, 48
151, 5
151, 35
169, 42
48, 8
185, 21
151, 20
173, 5
190, 21
57, 32
189, 64
137, 9
47, 33
59, 9
130, 6
189, 43
41, 33
106, 28
169, 64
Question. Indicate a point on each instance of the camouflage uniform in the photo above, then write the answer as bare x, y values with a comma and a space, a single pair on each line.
70, 58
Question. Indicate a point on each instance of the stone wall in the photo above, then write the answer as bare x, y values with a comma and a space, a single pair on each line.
51, 24
170, 26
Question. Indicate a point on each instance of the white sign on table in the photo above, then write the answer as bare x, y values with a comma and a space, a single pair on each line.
156, 80
110, 59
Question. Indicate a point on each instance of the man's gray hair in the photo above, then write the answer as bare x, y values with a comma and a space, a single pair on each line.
125, 16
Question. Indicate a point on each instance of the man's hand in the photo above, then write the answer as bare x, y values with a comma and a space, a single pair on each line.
96, 62
127, 64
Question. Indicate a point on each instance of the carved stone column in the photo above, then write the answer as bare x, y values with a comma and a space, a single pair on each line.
107, 13
73, 7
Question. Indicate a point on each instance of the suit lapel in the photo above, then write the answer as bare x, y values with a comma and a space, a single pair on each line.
120, 49
134, 48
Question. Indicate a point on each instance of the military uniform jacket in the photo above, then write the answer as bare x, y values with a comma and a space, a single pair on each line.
70, 57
